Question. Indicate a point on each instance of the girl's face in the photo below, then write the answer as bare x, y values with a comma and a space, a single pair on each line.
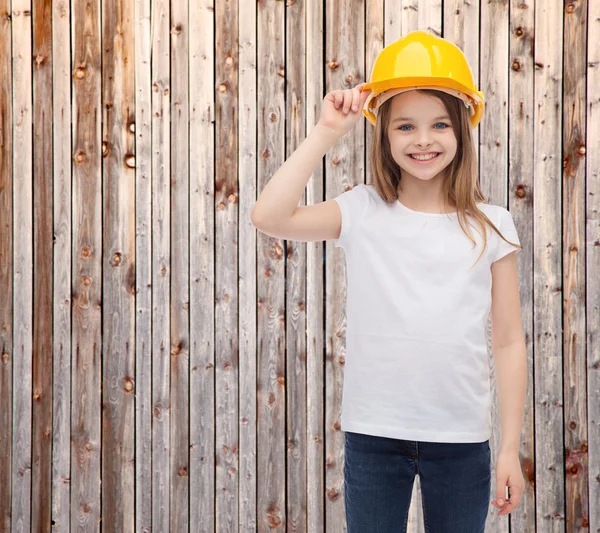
420, 124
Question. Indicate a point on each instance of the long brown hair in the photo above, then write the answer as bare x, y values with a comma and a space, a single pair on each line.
461, 187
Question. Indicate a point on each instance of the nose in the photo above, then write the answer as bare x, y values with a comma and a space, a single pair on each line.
423, 138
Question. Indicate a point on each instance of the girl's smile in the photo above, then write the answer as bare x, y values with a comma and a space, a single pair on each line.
424, 159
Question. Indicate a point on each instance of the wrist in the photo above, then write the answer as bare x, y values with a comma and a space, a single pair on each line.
332, 135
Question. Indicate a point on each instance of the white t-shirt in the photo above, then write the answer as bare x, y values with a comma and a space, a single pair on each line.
417, 366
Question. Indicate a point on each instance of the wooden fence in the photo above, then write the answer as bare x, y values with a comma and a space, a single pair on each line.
166, 367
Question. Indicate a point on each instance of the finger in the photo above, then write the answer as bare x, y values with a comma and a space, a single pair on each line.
355, 100
339, 99
507, 509
347, 101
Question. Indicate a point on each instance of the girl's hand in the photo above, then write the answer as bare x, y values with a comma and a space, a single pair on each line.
341, 109
508, 474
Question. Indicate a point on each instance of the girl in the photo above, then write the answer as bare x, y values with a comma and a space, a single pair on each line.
428, 259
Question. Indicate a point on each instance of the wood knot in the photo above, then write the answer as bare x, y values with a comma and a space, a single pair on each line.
117, 258
333, 494
128, 384
105, 149
516, 66
222, 88
333, 64
521, 193
273, 517
519, 32
129, 160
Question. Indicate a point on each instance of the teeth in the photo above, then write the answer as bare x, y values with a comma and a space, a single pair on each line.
423, 158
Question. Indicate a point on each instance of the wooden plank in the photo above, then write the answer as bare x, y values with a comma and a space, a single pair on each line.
493, 165
87, 281
118, 151
62, 275
345, 167
22, 266
42, 266
574, 313
247, 160
295, 338
593, 260
6, 262
271, 495
143, 270
180, 251
520, 200
315, 471
547, 284
161, 265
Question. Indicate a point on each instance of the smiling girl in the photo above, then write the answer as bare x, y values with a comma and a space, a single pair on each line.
428, 261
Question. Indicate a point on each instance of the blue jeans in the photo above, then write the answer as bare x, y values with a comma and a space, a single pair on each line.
379, 473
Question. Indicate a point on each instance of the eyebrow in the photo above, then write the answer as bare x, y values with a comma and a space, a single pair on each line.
397, 119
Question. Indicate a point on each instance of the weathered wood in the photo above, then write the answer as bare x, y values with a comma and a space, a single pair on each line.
62, 267
493, 164
143, 271
118, 287
22, 266
227, 417
247, 160
344, 168
226, 270
202, 292
42, 266
520, 203
6, 264
270, 387
315, 319
592, 250
86, 413
180, 252
573, 236
161, 265
295, 290
547, 273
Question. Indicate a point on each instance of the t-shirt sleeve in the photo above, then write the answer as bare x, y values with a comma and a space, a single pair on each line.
353, 204
508, 229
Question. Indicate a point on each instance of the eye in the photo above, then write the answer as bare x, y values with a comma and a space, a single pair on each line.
408, 125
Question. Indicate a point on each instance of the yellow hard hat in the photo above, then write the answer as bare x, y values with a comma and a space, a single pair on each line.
421, 60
